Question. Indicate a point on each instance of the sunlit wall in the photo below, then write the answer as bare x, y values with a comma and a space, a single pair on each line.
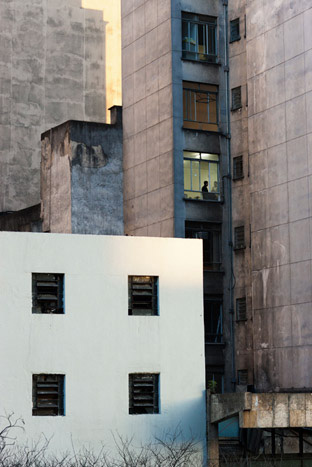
112, 18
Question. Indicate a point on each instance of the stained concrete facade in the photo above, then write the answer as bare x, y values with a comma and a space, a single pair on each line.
52, 69
81, 177
273, 200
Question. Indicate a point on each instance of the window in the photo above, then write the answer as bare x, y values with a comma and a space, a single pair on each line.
239, 237
241, 309
236, 98
215, 379
234, 30
47, 293
213, 321
199, 37
200, 109
238, 168
211, 236
199, 168
143, 393
48, 395
242, 377
143, 295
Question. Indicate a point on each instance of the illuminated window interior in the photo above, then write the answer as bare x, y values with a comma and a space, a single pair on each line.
200, 107
198, 168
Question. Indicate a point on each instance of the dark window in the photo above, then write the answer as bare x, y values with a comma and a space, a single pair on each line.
213, 321
239, 237
238, 168
199, 37
200, 106
143, 295
242, 377
211, 236
241, 309
215, 379
143, 393
47, 293
48, 395
234, 30
198, 168
236, 98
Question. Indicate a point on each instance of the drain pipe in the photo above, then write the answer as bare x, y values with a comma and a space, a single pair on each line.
229, 188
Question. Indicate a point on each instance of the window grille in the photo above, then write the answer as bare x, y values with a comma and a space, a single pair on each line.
239, 237
241, 309
236, 98
143, 393
47, 293
199, 38
234, 30
143, 295
242, 377
48, 394
238, 168
200, 106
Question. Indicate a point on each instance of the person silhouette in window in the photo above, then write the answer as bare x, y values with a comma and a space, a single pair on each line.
205, 189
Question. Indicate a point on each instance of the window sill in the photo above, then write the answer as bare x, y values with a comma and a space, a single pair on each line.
203, 200
239, 248
237, 178
202, 62
218, 133
233, 109
235, 39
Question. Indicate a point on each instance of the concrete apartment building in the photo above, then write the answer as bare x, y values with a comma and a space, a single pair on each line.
77, 361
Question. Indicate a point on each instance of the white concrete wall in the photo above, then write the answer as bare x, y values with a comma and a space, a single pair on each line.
95, 343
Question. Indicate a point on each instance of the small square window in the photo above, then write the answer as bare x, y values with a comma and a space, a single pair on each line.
241, 309
239, 237
47, 293
143, 393
143, 295
234, 30
238, 168
236, 98
48, 395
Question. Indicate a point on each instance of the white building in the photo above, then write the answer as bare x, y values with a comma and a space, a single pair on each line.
87, 351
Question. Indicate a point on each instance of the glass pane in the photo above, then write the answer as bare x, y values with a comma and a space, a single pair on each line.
214, 179
195, 176
211, 40
191, 106
201, 39
187, 175
185, 42
210, 157
192, 155
212, 109
184, 104
204, 174
193, 37
201, 107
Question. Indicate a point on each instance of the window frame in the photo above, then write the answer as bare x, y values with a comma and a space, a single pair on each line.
210, 195
235, 30
133, 309
212, 338
236, 98
238, 167
209, 25
198, 230
48, 281
191, 94
142, 379
57, 381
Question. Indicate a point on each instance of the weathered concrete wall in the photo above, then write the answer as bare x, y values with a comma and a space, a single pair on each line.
81, 178
278, 67
52, 69
147, 117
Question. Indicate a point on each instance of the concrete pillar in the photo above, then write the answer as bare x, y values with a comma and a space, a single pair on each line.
212, 437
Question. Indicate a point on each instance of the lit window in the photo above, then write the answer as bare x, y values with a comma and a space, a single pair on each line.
199, 37
200, 107
210, 234
143, 295
143, 393
199, 168
47, 293
48, 394
234, 30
